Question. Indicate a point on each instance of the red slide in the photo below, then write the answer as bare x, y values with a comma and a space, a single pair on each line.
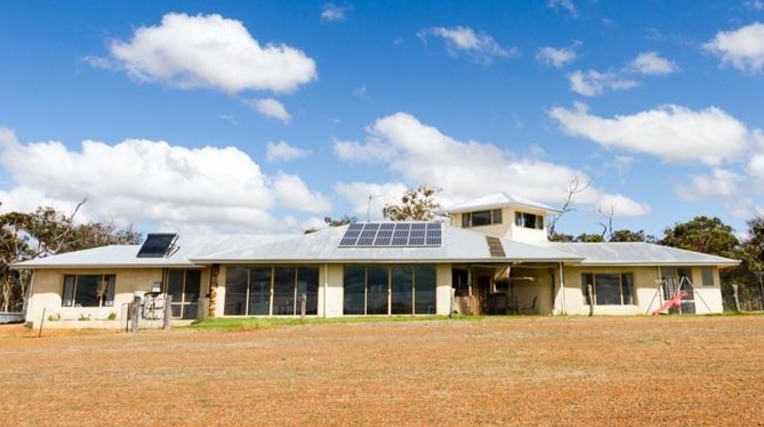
675, 301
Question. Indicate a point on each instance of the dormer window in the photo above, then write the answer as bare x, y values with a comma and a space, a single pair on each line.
478, 218
529, 220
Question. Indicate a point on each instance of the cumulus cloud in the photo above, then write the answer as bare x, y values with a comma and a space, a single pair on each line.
720, 182
419, 153
369, 152
742, 48
332, 12
292, 193
671, 132
139, 180
209, 51
621, 205
481, 47
367, 199
283, 152
270, 107
555, 57
653, 63
593, 83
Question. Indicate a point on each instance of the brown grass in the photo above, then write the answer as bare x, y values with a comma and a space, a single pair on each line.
493, 371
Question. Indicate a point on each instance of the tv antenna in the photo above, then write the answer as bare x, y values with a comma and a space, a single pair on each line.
368, 207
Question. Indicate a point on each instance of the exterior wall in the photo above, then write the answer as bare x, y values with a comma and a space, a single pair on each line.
332, 302
48, 285
527, 235
647, 298
220, 292
443, 293
507, 229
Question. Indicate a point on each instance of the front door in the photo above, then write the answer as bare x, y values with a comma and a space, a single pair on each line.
184, 287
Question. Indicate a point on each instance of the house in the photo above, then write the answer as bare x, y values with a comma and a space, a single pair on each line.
490, 256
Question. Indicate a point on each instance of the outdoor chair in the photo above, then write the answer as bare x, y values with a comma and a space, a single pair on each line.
529, 308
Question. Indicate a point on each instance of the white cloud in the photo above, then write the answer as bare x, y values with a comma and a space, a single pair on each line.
620, 205
270, 107
370, 152
671, 132
562, 4
332, 12
367, 199
720, 182
593, 83
419, 153
142, 181
210, 51
292, 193
283, 152
653, 63
556, 57
742, 48
482, 47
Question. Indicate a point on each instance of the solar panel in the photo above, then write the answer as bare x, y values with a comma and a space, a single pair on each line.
157, 245
392, 234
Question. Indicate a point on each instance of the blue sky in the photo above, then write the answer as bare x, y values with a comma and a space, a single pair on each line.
268, 116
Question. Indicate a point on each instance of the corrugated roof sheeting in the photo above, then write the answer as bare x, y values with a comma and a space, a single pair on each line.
637, 253
458, 245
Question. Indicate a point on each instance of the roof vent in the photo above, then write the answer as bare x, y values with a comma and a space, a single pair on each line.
494, 245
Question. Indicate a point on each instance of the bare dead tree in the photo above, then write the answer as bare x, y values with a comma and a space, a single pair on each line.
575, 186
607, 221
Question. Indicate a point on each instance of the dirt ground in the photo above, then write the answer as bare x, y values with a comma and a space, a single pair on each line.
491, 371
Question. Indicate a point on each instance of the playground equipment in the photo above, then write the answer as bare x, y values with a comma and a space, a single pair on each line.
678, 296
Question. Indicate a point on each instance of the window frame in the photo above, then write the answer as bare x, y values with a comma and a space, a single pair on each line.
625, 288
485, 217
529, 220
361, 296
272, 290
72, 291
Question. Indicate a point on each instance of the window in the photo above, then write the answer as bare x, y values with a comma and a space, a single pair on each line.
478, 218
529, 220
396, 289
707, 276
89, 290
608, 288
270, 290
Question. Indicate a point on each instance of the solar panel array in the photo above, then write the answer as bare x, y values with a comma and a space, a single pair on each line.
392, 234
157, 245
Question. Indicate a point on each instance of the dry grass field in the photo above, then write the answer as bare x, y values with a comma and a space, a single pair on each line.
491, 371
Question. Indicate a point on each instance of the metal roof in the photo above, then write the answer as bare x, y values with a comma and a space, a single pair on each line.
637, 253
322, 246
458, 245
497, 200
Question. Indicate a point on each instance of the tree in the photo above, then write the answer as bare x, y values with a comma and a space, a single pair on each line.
754, 245
589, 238
45, 232
330, 222
631, 236
416, 205
574, 187
560, 237
703, 234
753, 260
